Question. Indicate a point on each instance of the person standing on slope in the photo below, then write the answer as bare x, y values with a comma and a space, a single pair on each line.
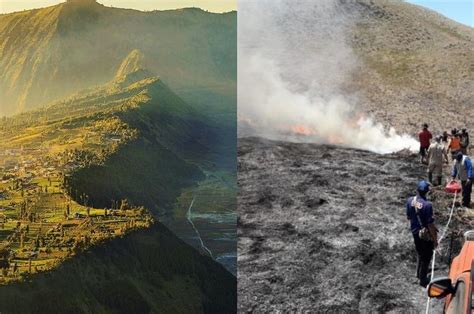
420, 214
436, 152
445, 138
463, 170
464, 141
454, 143
424, 136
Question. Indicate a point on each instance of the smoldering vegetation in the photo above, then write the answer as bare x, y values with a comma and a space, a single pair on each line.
323, 228
294, 76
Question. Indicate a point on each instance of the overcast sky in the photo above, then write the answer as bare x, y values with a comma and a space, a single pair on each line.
211, 5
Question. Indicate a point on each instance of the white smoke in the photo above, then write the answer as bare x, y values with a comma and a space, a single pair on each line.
294, 66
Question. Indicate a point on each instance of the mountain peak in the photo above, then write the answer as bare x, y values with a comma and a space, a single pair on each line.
132, 69
82, 4
81, 1
83, 44
132, 63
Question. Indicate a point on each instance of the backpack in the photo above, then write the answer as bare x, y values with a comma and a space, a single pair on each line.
423, 233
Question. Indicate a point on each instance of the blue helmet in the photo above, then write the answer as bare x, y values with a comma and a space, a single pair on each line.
423, 186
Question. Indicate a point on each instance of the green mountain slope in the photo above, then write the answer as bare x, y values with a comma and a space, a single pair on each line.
142, 142
49, 53
176, 157
130, 138
144, 172
173, 140
150, 168
149, 271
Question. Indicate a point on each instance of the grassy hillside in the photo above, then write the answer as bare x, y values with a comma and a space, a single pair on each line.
173, 141
144, 172
146, 272
25, 56
156, 143
414, 62
131, 138
178, 155
49, 53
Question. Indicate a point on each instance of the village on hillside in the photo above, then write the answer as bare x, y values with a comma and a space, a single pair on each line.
44, 220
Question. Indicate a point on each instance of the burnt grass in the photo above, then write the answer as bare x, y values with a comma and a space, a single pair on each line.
323, 229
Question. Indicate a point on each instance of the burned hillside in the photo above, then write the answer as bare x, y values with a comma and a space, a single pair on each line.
325, 227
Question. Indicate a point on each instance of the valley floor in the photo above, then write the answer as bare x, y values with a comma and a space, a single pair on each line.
209, 225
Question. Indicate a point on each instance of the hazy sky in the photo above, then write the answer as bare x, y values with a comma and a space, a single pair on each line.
211, 5
461, 11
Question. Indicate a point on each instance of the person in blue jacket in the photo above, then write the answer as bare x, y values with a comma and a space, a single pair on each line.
462, 169
420, 214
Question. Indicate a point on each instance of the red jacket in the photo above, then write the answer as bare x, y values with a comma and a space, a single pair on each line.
425, 137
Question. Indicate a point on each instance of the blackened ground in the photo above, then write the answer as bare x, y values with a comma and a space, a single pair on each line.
323, 228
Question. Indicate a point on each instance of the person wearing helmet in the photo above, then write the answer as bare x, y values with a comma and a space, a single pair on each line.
462, 169
420, 214
435, 155
425, 137
464, 138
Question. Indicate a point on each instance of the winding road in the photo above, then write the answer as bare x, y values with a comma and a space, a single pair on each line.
188, 216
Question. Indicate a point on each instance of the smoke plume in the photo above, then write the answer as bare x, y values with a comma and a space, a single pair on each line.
294, 65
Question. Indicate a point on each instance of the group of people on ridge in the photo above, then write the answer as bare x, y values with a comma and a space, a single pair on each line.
457, 141
418, 209
436, 154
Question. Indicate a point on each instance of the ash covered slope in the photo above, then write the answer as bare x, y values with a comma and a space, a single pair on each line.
47, 54
149, 271
415, 63
322, 227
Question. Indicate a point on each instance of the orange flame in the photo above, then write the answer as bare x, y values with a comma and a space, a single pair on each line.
302, 130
